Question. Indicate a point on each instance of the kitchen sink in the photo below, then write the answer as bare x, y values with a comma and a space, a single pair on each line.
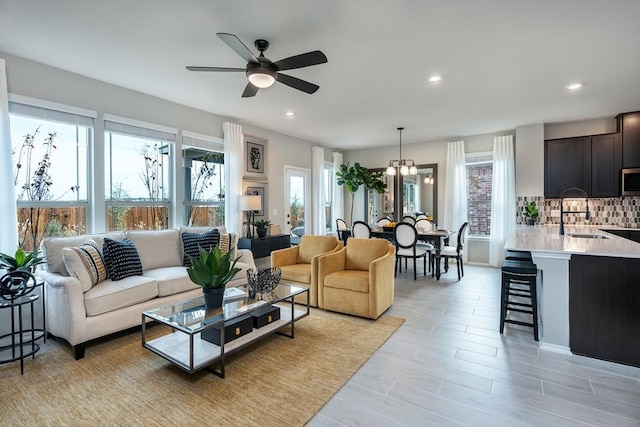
588, 236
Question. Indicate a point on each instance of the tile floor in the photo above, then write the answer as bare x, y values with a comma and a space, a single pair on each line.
448, 365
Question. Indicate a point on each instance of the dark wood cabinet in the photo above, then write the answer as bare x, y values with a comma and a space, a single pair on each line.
263, 246
604, 308
606, 162
567, 164
629, 127
589, 162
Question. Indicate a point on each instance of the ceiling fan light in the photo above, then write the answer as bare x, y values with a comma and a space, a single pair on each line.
261, 80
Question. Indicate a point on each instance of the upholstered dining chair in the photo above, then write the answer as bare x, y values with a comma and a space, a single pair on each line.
358, 279
342, 229
361, 230
423, 224
406, 239
409, 219
455, 252
421, 216
299, 264
382, 222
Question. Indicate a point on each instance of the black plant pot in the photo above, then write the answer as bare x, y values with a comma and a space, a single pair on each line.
530, 221
261, 232
213, 298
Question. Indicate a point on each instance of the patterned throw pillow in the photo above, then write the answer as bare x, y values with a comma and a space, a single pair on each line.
191, 243
121, 259
85, 263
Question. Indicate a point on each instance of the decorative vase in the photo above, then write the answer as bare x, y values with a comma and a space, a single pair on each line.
213, 298
261, 232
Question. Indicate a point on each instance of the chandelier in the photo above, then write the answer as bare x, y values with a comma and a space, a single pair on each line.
406, 166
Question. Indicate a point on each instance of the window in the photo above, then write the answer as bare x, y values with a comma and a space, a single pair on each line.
50, 157
409, 195
204, 189
328, 196
138, 168
479, 181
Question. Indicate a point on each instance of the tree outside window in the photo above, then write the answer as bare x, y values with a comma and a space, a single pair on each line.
479, 182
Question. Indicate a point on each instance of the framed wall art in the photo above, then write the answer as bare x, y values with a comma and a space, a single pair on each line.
255, 152
256, 188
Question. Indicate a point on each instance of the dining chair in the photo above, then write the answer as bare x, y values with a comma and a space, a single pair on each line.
382, 222
406, 239
361, 230
423, 224
409, 219
455, 252
342, 230
421, 216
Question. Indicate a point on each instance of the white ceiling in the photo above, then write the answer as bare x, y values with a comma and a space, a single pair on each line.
504, 63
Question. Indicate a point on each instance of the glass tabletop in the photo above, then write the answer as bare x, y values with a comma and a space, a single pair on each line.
191, 316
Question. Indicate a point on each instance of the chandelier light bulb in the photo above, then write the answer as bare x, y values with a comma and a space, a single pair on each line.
391, 171
404, 170
413, 170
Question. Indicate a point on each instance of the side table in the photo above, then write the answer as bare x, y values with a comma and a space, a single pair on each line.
263, 246
20, 343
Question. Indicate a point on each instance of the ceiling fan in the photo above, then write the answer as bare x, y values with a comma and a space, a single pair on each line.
262, 72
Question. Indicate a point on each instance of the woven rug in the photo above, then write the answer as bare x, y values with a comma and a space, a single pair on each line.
276, 382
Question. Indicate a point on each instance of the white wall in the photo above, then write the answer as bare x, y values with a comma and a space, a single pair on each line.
529, 150
579, 128
40, 81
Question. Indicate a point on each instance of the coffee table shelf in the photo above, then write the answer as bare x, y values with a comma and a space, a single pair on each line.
183, 345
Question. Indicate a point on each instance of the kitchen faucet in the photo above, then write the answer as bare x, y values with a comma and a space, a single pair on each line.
562, 212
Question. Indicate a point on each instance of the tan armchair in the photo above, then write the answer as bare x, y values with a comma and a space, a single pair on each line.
357, 279
299, 264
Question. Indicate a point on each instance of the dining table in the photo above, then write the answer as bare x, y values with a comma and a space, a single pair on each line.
435, 237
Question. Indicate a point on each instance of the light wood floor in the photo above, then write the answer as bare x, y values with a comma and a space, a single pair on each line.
449, 365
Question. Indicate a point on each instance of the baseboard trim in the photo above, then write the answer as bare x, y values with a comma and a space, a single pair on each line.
555, 348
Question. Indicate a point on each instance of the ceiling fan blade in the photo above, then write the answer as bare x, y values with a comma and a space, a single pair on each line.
297, 83
192, 68
234, 43
303, 60
249, 91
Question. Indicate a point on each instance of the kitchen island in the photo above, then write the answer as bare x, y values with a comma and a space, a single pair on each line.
589, 290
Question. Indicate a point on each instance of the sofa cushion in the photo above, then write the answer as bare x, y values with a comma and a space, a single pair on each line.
52, 248
350, 280
121, 258
300, 273
171, 280
311, 246
112, 295
192, 242
85, 263
157, 248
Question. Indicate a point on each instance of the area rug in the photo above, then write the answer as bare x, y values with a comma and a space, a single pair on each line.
276, 382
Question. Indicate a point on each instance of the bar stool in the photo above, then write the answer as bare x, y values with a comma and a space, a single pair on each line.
519, 255
519, 281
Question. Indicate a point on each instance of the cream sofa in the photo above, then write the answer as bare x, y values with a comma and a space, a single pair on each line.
79, 312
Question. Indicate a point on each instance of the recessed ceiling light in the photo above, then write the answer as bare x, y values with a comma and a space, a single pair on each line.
435, 79
290, 113
574, 86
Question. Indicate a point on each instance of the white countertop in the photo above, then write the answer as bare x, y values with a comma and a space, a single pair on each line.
544, 238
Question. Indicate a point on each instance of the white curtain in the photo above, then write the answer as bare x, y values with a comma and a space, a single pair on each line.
337, 203
455, 194
233, 159
503, 197
8, 210
317, 190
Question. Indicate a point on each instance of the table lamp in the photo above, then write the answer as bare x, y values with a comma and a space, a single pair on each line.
250, 204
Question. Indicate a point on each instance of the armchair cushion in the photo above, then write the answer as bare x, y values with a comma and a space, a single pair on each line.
351, 280
311, 246
362, 252
300, 273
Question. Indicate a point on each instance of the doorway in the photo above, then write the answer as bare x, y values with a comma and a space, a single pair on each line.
297, 199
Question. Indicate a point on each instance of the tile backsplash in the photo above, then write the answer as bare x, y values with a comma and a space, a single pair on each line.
618, 212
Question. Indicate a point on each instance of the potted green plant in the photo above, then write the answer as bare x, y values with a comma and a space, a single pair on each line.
212, 271
354, 176
22, 260
531, 213
261, 226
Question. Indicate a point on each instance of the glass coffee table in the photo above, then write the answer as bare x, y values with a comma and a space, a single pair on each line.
187, 320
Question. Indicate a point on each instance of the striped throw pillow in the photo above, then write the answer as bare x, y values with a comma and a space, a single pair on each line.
85, 263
